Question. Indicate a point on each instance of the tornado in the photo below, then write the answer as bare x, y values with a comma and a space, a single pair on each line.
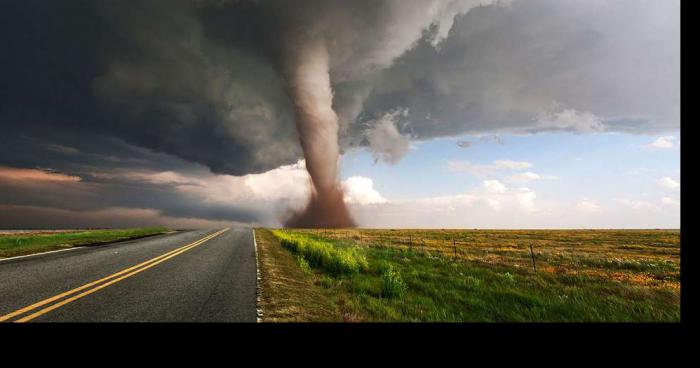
306, 71
315, 42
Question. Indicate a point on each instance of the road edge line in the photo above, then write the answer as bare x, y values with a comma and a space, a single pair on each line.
42, 253
95, 245
258, 281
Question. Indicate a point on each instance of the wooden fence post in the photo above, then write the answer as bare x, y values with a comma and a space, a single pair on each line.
454, 244
532, 256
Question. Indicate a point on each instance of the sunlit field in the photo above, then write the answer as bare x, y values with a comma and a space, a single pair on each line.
493, 275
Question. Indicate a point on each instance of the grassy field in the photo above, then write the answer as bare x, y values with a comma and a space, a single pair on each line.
27, 243
489, 275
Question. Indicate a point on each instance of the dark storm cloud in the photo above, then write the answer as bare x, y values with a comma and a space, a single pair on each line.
79, 152
616, 63
144, 73
171, 85
91, 194
199, 80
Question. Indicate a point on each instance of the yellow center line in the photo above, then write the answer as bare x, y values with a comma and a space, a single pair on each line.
149, 263
59, 296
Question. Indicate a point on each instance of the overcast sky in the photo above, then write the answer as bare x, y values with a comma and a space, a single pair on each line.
463, 113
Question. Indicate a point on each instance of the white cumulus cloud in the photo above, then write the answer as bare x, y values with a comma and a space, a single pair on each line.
665, 142
588, 206
481, 170
636, 204
494, 186
528, 176
668, 201
497, 196
512, 165
669, 183
360, 190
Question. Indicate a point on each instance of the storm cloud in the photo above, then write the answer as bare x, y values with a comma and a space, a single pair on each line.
187, 86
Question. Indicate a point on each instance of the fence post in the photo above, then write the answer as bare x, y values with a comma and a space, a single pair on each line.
532, 256
454, 244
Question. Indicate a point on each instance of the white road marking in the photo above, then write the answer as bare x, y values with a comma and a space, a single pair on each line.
258, 309
39, 254
83, 246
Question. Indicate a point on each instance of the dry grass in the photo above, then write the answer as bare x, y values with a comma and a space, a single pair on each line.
487, 275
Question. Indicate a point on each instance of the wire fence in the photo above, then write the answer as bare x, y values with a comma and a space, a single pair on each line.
564, 251
454, 247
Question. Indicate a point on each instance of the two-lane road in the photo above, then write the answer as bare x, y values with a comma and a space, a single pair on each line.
193, 276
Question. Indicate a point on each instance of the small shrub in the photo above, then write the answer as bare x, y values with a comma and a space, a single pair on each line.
392, 284
380, 266
325, 282
303, 265
508, 277
472, 282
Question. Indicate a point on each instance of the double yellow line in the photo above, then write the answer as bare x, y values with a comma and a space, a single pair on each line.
100, 284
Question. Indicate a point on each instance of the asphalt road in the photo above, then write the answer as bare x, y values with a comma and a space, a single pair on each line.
167, 278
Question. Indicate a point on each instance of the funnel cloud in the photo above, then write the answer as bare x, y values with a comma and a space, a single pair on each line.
309, 85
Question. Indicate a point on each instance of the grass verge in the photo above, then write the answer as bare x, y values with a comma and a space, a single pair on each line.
289, 291
17, 245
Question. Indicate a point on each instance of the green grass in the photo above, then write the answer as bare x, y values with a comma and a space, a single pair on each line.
317, 253
406, 283
393, 285
16, 245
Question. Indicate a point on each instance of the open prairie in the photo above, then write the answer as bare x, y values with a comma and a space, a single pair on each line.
490, 275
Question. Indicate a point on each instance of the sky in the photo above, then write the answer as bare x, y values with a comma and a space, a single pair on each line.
546, 180
450, 113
